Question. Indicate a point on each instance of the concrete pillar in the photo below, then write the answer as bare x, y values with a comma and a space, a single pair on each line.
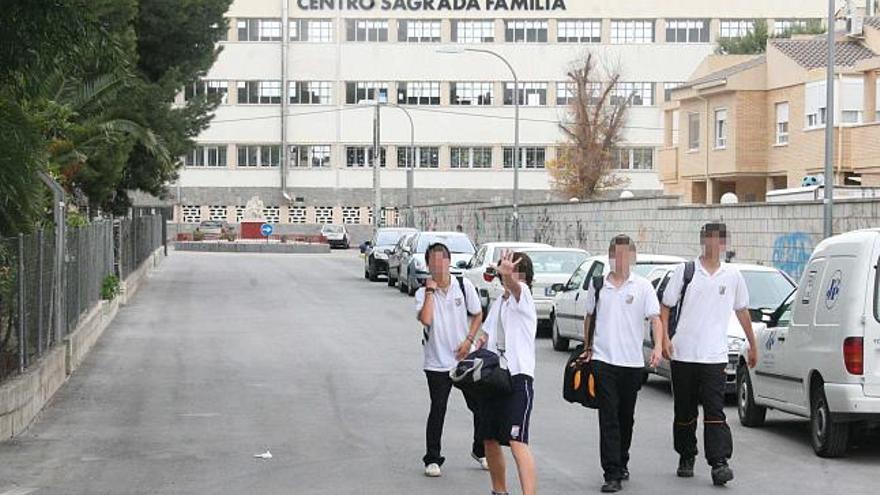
392, 30
552, 30
870, 97
446, 31
606, 30
445, 88
660, 31
498, 157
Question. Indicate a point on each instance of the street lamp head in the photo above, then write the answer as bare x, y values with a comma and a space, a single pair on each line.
450, 50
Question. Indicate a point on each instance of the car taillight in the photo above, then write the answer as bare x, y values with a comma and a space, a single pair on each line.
488, 277
853, 355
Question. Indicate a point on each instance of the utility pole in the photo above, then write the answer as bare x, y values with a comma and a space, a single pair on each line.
377, 186
829, 126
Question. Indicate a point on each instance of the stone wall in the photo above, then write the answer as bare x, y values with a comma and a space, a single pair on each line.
780, 235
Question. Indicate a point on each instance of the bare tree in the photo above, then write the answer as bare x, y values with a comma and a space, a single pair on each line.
596, 117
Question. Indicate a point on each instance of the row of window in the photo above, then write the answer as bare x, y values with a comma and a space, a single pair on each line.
351, 215
318, 156
623, 31
419, 92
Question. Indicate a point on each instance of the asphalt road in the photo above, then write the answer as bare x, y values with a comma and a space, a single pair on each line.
223, 356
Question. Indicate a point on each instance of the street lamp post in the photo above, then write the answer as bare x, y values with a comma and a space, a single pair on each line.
516, 153
829, 126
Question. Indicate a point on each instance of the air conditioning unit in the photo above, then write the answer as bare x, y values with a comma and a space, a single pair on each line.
855, 25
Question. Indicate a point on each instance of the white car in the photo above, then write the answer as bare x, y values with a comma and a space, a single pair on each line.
768, 288
480, 269
552, 266
336, 235
819, 356
412, 269
567, 319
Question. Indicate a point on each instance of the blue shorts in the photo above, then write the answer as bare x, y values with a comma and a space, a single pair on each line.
506, 419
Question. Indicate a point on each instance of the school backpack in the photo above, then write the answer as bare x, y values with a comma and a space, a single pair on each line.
675, 312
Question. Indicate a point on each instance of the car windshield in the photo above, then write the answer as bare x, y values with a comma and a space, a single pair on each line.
455, 243
644, 269
211, 223
767, 289
332, 229
556, 261
389, 237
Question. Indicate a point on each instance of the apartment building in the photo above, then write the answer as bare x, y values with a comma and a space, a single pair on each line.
754, 124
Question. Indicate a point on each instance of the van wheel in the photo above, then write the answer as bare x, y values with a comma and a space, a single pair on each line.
560, 343
829, 438
750, 414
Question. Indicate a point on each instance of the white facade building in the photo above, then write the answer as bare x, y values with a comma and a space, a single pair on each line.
338, 52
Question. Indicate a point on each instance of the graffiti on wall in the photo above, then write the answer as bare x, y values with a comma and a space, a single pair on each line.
791, 252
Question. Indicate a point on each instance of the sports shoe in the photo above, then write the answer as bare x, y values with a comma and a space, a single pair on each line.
484, 464
721, 474
432, 470
612, 486
624, 474
685, 467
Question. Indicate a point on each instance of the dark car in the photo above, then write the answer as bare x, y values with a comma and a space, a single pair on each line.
378, 250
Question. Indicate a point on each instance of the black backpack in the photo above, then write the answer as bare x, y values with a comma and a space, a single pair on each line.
579, 378
675, 312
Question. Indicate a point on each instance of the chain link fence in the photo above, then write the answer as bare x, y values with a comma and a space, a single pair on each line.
28, 282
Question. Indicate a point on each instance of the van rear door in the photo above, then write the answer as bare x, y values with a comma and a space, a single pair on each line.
872, 327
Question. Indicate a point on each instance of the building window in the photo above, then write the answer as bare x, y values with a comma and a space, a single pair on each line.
782, 123
736, 28
296, 214
531, 94
814, 106
366, 30
667, 90
471, 157
217, 213
259, 155
192, 213
272, 214
424, 157
579, 31
471, 93
641, 158
637, 94
362, 156
311, 30
351, 215
200, 88
418, 31
259, 29
418, 93
323, 214
530, 157
565, 93
687, 31
523, 31
239, 213
310, 156
470, 31
310, 92
720, 128
693, 131
365, 91
786, 26
259, 92
206, 156
632, 31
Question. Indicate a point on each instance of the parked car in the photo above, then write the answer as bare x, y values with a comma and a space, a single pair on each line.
397, 255
412, 270
214, 229
378, 249
480, 269
768, 288
819, 356
552, 266
567, 319
336, 235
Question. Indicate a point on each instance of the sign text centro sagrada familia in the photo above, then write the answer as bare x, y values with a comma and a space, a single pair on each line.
432, 5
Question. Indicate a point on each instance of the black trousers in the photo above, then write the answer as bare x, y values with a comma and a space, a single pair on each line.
692, 384
617, 388
439, 386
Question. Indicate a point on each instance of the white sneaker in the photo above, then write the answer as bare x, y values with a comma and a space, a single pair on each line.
484, 464
432, 470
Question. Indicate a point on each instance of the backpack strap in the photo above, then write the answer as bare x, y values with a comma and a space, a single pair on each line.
689, 268
598, 282
463, 293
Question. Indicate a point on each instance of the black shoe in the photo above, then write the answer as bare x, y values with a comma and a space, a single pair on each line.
721, 474
612, 486
624, 474
685, 467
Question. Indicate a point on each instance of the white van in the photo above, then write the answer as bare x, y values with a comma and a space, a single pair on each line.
819, 356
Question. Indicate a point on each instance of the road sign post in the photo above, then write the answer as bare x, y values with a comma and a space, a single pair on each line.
266, 230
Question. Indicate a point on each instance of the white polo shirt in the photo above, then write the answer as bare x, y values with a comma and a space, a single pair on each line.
701, 334
450, 325
520, 322
620, 322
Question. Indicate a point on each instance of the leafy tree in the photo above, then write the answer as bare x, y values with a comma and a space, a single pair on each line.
585, 161
755, 41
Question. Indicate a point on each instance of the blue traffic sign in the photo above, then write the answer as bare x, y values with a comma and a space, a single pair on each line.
266, 229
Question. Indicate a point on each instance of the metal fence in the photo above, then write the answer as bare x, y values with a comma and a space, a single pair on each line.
29, 288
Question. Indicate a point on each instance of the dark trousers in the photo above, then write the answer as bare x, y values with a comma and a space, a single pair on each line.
692, 384
616, 390
439, 386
